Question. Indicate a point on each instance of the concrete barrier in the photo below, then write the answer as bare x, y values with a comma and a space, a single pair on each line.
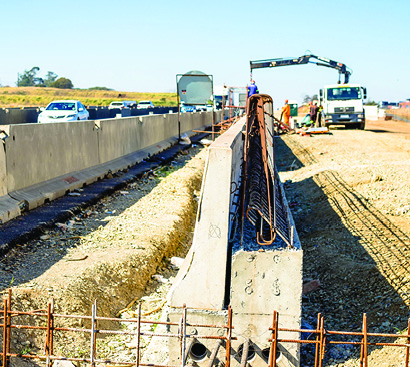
18, 115
3, 175
28, 115
40, 162
212, 227
39, 152
9, 207
218, 271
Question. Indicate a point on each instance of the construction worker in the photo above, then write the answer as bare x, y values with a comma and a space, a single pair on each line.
252, 89
314, 109
286, 113
319, 116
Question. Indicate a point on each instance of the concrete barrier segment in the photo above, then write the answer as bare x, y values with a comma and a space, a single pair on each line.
258, 280
37, 195
202, 279
36, 153
40, 162
263, 282
9, 208
4, 133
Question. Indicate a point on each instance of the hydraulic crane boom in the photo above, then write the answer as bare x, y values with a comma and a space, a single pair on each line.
270, 63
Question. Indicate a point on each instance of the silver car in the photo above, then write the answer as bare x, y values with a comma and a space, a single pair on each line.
63, 111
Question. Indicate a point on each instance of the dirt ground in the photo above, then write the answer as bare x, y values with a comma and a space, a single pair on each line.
350, 196
108, 253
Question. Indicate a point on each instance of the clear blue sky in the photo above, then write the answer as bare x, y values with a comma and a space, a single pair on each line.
141, 45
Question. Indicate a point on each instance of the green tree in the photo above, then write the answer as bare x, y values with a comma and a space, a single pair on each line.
99, 88
308, 98
50, 78
371, 103
29, 78
62, 83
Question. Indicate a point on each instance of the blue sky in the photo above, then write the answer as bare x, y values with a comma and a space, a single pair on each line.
141, 45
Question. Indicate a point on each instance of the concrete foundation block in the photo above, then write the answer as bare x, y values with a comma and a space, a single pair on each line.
201, 348
266, 281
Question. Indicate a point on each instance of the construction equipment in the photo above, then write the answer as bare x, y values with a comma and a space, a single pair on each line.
342, 103
305, 59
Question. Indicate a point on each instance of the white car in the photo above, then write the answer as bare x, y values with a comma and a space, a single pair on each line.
121, 105
144, 104
63, 111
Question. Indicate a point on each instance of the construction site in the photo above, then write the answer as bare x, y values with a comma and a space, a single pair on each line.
219, 238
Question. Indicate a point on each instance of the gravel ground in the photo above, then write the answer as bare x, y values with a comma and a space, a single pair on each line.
350, 195
108, 252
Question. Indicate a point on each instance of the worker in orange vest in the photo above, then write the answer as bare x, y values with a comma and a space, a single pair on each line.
286, 113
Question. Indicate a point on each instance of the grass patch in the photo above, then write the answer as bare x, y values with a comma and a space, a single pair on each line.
38, 97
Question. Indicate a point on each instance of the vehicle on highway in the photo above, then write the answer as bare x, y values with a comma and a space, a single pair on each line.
121, 105
63, 111
203, 108
200, 108
187, 108
145, 104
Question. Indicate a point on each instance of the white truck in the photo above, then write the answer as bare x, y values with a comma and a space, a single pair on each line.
343, 105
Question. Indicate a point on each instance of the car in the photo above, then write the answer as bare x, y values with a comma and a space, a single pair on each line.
63, 111
187, 108
121, 105
145, 104
200, 108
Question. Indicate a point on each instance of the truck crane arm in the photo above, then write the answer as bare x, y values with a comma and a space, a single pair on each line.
322, 61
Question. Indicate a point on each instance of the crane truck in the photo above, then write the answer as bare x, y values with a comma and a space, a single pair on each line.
342, 103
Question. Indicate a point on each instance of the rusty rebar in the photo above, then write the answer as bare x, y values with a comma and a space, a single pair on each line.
5, 334
48, 333
9, 322
229, 338
363, 351
262, 193
274, 340
139, 335
93, 333
186, 340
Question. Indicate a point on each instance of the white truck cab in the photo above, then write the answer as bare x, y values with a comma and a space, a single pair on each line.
343, 105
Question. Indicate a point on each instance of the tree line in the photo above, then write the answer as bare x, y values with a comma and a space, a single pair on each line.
30, 79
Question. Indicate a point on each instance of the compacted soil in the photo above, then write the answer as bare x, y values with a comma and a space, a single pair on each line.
350, 196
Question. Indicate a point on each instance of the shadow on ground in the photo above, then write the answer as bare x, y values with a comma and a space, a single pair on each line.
360, 257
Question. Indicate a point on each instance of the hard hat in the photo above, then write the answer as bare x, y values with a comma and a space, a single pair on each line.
286, 101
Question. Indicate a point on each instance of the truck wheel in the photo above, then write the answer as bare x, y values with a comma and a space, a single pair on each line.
361, 126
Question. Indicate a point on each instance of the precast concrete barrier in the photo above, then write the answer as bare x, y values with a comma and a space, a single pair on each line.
40, 162
220, 271
3, 175
28, 115
18, 115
